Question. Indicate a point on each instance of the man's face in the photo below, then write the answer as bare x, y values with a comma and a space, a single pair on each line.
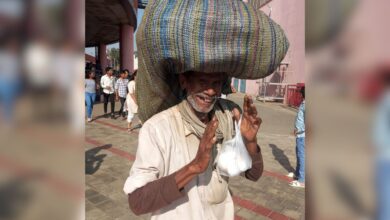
203, 89
109, 73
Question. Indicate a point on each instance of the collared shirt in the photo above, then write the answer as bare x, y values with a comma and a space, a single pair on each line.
106, 82
381, 130
121, 86
300, 120
167, 146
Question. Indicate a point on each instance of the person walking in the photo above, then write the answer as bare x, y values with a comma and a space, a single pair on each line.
132, 107
90, 92
121, 91
299, 132
107, 83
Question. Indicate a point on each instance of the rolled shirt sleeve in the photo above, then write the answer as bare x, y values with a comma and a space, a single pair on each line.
155, 195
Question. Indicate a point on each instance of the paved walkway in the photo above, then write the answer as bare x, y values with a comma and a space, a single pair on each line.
110, 152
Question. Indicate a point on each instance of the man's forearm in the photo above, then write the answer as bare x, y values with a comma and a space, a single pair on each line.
154, 195
252, 147
257, 165
162, 192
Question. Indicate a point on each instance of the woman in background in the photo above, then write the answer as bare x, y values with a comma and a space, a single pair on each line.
90, 92
132, 107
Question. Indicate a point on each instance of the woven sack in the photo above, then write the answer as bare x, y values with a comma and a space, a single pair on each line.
203, 36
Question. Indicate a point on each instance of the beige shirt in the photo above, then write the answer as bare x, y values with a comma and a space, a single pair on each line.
131, 105
165, 146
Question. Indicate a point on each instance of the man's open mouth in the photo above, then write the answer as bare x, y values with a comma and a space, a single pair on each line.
206, 99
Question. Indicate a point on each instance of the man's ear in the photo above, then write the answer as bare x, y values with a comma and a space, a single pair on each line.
183, 81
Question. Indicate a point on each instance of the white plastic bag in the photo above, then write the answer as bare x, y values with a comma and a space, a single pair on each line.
234, 157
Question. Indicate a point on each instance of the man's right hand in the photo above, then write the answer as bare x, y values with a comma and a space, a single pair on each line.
202, 158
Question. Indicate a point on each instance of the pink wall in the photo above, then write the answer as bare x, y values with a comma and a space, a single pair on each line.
290, 15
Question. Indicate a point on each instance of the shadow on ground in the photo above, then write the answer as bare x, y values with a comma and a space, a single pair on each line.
281, 157
347, 193
93, 161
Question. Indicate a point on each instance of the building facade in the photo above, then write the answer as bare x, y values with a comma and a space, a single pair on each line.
290, 15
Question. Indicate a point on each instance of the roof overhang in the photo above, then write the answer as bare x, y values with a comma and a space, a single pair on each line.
103, 20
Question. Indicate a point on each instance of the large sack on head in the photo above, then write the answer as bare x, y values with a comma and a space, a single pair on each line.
203, 36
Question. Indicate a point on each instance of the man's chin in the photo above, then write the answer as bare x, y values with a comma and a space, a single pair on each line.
198, 108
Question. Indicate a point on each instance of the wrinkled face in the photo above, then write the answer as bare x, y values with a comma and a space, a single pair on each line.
203, 89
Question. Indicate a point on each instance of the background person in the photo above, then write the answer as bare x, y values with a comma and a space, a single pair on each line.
121, 91
90, 93
299, 132
132, 107
107, 83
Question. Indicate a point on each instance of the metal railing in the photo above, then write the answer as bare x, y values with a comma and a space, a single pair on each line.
271, 91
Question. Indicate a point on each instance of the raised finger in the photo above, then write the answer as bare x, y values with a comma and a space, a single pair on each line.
212, 142
246, 105
253, 110
211, 128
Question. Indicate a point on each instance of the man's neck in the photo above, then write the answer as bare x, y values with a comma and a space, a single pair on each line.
203, 117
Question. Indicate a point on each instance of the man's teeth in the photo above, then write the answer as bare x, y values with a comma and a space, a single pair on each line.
206, 99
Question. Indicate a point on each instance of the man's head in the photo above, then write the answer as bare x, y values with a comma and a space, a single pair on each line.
202, 89
127, 72
123, 74
109, 71
90, 74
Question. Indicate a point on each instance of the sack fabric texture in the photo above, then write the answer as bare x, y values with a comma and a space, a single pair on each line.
202, 36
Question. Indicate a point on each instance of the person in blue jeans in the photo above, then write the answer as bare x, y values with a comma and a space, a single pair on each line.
90, 93
381, 139
299, 132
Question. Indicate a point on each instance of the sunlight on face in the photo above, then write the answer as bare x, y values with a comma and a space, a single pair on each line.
203, 89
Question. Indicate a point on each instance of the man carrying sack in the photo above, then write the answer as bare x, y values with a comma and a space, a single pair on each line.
188, 50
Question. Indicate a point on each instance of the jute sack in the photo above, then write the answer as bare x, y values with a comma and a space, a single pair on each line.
203, 36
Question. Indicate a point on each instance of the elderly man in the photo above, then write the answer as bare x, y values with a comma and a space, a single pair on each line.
177, 150
188, 50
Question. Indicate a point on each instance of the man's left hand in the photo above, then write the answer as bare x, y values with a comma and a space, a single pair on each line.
250, 123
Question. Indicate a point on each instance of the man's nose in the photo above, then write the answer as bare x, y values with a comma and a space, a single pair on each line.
210, 92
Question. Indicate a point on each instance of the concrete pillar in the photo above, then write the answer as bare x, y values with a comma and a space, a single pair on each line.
75, 22
102, 56
126, 49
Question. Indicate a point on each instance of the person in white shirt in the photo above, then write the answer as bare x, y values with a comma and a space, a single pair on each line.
107, 83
